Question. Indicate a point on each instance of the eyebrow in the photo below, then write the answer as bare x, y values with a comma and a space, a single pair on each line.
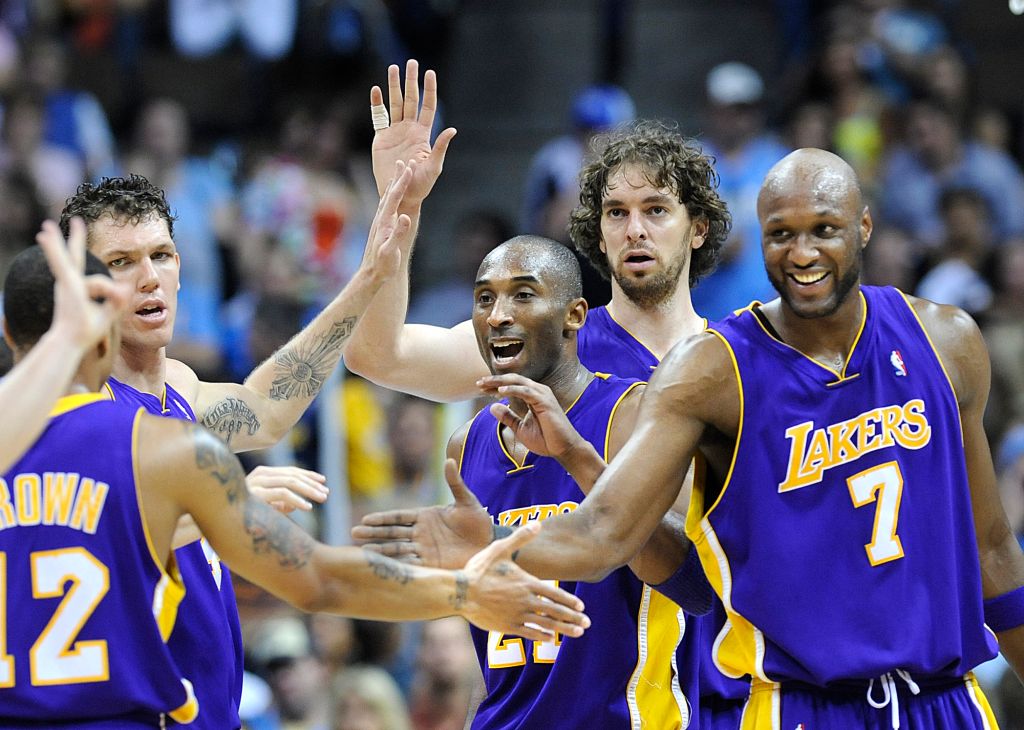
659, 198
523, 277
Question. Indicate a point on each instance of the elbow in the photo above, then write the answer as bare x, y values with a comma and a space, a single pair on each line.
360, 362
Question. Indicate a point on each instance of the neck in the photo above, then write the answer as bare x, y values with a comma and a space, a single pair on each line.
661, 326
143, 369
826, 339
567, 381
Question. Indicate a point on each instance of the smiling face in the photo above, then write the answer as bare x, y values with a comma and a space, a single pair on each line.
522, 314
814, 227
647, 235
143, 255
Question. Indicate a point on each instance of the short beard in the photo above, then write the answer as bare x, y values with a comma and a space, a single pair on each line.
843, 288
654, 290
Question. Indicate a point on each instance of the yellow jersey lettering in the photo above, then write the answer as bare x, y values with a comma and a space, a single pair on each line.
797, 436
89, 505
6, 511
521, 515
813, 451
915, 431
58, 497
28, 498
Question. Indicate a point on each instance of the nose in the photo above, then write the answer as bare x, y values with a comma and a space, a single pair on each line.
635, 230
804, 251
148, 279
501, 313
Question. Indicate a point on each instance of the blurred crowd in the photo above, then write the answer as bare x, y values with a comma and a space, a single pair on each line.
272, 214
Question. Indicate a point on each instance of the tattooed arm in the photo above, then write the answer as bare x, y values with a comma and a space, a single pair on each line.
276, 394
183, 468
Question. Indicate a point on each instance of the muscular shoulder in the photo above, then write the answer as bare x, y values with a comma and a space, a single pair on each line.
958, 342
457, 442
697, 375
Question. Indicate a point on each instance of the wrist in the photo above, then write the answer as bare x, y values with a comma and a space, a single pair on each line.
460, 592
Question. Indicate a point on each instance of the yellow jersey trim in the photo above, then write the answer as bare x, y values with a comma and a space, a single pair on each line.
611, 417
840, 376
170, 589
68, 403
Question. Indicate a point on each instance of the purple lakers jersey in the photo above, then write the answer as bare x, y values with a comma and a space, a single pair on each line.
623, 666
207, 639
87, 605
842, 543
605, 346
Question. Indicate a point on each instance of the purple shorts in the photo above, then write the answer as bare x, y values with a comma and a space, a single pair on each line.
892, 704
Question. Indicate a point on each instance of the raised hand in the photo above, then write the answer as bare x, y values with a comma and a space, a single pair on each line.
84, 307
407, 138
503, 597
382, 256
287, 488
545, 429
441, 537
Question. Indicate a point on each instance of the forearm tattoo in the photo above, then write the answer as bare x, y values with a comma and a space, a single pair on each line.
461, 595
275, 535
387, 569
300, 372
229, 416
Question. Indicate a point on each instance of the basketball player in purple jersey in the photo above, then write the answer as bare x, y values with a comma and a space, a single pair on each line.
90, 584
846, 508
28, 391
130, 228
650, 219
527, 313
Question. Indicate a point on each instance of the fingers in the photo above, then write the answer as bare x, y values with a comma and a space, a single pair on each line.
441, 147
412, 90
506, 416
51, 241
115, 295
395, 93
305, 483
395, 517
376, 96
460, 492
281, 498
429, 107
381, 534
76, 243
406, 552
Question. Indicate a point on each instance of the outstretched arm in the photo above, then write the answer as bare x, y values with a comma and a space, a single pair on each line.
963, 352
274, 396
692, 388
84, 310
546, 430
185, 468
432, 362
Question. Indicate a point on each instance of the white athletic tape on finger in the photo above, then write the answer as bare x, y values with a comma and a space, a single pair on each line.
379, 116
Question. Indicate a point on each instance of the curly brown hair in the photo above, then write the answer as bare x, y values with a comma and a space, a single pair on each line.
669, 161
129, 199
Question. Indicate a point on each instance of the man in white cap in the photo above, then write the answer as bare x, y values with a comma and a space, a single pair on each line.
744, 151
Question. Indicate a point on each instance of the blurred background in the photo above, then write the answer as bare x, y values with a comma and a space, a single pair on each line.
253, 115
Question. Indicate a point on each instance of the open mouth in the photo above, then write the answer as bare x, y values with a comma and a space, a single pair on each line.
150, 312
507, 350
807, 279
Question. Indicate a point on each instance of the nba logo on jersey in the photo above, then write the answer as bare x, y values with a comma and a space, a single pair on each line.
898, 366
801, 726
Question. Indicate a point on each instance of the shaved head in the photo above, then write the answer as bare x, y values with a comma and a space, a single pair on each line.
814, 172
555, 261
